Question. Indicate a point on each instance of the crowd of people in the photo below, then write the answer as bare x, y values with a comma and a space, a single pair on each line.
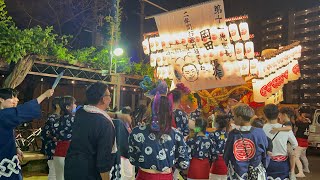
157, 142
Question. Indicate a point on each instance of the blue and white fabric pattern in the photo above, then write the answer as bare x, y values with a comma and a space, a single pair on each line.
63, 128
219, 137
148, 151
201, 147
182, 121
48, 144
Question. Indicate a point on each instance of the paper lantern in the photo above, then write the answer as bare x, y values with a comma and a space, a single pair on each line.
158, 43
294, 70
234, 32
228, 68
260, 93
167, 58
253, 66
249, 50
244, 67
159, 59
212, 54
204, 56
297, 52
153, 58
215, 36
224, 35
145, 45
153, 46
261, 69
244, 31
229, 52
239, 51
236, 68
221, 52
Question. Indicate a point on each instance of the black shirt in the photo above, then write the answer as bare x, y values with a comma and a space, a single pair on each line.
303, 129
91, 145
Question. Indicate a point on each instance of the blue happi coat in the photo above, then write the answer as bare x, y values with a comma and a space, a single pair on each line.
10, 118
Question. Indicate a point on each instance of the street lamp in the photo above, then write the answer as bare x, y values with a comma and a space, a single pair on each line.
118, 51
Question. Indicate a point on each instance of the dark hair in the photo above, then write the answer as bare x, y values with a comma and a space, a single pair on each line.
7, 93
222, 121
258, 123
138, 114
202, 124
66, 101
164, 116
235, 96
176, 95
55, 101
126, 110
271, 111
95, 92
288, 111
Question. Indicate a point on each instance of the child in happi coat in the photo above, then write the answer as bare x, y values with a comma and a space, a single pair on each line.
48, 140
219, 170
245, 151
201, 149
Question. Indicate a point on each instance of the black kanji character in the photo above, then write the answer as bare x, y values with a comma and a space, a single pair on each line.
217, 9
208, 45
205, 34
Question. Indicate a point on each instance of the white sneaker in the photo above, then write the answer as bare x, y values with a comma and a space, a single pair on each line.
292, 176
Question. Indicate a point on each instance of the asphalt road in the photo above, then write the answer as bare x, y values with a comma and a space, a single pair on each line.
314, 161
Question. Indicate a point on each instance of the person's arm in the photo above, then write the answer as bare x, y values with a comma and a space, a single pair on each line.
12, 117
45, 95
105, 142
134, 152
181, 152
228, 149
105, 176
124, 117
292, 139
284, 128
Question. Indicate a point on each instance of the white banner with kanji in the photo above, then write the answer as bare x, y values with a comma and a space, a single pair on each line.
198, 17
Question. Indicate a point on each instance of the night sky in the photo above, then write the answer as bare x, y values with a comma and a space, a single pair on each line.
256, 9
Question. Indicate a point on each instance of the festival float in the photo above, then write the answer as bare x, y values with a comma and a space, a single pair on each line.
214, 57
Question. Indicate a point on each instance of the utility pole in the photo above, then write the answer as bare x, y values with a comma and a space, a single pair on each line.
142, 15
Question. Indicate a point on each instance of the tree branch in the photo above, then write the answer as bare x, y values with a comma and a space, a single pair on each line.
57, 17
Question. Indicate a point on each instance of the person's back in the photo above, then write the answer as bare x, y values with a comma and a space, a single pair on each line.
279, 140
86, 139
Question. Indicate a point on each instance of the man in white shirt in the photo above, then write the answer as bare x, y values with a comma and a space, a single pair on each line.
279, 166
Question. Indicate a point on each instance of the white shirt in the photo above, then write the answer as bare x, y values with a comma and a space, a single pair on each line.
281, 140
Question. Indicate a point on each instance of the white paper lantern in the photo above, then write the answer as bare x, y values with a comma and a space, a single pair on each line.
249, 50
239, 51
260, 93
159, 59
244, 67
244, 31
228, 68
234, 32
145, 45
153, 60
221, 52
261, 69
224, 35
230, 52
294, 70
158, 43
153, 46
253, 66
215, 36
167, 58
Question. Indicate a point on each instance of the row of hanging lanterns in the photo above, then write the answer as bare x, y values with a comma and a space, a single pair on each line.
275, 72
216, 36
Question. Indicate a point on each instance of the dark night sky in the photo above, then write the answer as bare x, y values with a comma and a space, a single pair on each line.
256, 9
